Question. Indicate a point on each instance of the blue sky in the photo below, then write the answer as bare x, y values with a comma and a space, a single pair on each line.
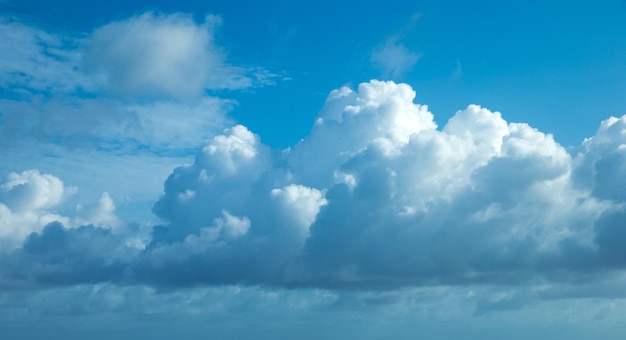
284, 169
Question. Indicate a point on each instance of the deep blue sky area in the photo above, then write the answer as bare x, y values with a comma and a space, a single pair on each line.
430, 169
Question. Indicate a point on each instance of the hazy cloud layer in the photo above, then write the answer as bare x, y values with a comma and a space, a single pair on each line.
231, 312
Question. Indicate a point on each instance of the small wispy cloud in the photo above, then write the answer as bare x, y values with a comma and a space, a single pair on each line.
393, 59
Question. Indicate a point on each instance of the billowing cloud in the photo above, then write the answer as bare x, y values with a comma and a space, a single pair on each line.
30, 200
378, 196
44, 241
26, 200
397, 201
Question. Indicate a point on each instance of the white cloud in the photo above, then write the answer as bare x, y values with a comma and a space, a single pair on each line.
31, 190
26, 202
159, 55
480, 199
376, 196
100, 213
301, 204
155, 55
30, 200
601, 160
349, 121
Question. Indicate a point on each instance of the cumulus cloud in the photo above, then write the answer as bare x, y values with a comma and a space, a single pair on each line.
26, 200
157, 55
381, 197
377, 196
45, 241
30, 201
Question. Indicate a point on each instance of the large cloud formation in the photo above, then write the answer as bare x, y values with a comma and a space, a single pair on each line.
375, 196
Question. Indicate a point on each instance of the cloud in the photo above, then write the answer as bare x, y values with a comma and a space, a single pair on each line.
386, 199
159, 55
393, 59
26, 200
60, 256
46, 242
377, 196
31, 201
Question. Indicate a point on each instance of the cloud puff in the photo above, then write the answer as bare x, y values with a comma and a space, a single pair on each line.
30, 200
26, 200
157, 55
378, 196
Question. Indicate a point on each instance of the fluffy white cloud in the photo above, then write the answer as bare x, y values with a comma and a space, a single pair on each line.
101, 213
391, 200
31, 190
159, 55
26, 200
601, 160
301, 205
379, 112
45, 241
376, 196
30, 200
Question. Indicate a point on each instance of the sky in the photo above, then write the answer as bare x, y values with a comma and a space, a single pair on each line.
312, 170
